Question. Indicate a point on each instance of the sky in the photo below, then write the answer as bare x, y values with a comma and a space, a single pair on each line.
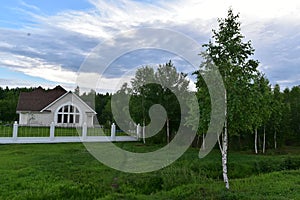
45, 43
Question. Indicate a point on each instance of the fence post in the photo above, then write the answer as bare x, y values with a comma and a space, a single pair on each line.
138, 131
52, 130
113, 132
84, 131
144, 134
15, 131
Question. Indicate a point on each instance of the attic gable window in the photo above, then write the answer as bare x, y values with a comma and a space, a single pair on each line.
68, 114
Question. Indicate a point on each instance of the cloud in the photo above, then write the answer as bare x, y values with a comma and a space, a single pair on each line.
53, 47
37, 67
31, 7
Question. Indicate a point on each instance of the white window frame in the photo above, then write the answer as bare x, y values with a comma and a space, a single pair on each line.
68, 113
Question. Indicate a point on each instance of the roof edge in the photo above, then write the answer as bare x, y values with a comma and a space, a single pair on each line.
53, 102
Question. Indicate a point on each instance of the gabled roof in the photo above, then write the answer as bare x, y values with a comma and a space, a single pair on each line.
84, 103
39, 98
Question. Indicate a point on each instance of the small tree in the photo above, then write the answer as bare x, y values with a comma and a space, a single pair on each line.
77, 91
231, 55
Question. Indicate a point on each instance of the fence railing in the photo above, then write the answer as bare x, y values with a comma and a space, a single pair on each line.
56, 134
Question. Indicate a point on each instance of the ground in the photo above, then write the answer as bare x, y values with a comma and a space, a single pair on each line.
68, 171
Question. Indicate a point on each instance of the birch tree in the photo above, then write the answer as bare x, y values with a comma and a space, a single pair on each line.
264, 108
231, 55
277, 113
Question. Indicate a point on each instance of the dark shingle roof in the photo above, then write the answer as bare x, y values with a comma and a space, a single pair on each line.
38, 98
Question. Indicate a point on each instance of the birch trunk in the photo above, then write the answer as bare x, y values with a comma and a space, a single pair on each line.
224, 156
225, 146
275, 140
168, 131
203, 141
255, 141
144, 133
264, 142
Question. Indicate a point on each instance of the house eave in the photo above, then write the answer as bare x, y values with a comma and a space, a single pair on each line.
27, 111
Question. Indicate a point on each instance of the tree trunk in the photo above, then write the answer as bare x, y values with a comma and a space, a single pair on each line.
275, 140
224, 156
259, 142
203, 141
264, 141
255, 141
225, 146
197, 142
144, 133
168, 131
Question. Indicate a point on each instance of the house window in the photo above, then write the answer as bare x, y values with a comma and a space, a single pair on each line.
68, 114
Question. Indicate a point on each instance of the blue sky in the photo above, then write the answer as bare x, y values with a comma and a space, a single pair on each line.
45, 42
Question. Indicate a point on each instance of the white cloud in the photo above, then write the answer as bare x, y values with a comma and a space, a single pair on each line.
59, 43
38, 68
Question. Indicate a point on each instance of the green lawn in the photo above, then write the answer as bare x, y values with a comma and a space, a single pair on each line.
68, 171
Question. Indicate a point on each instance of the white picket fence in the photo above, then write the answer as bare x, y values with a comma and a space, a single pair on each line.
83, 137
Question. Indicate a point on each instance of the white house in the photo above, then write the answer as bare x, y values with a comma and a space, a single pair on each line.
42, 107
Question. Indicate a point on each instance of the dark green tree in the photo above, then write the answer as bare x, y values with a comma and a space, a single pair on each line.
151, 87
276, 118
294, 98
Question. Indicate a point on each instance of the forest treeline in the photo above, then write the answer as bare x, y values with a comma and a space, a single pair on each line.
283, 123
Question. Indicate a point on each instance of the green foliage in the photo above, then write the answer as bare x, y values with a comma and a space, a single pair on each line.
8, 103
251, 103
231, 55
150, 87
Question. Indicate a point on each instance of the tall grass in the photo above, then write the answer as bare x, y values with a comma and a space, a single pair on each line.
68, 171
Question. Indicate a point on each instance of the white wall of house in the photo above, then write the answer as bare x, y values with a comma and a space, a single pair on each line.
35, 118
23, 118
71, 99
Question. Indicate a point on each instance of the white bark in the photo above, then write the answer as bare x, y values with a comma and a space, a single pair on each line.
203, 141
224, 147
144, 133
220, 146
224, 156
255, 141
264, 142
275, 140
168, 131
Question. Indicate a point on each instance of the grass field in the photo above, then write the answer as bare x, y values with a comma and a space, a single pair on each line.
68, 171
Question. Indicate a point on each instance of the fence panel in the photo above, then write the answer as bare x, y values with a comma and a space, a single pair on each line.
15, 133
68, 131
33, 131
6, 130
98, 131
